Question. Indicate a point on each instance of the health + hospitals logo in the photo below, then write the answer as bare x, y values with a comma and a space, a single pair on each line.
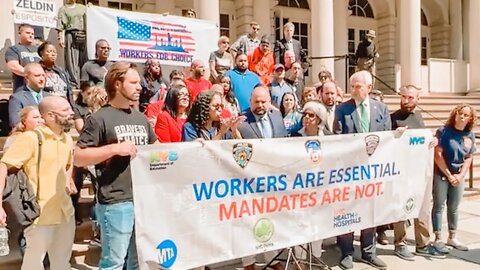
409, 205
313, 148
160, 160
263, 230
242, 153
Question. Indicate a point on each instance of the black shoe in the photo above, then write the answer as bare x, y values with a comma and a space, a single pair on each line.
375, 262
382, 238
346, 262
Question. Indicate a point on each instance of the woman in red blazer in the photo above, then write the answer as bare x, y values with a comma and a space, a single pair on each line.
170, 121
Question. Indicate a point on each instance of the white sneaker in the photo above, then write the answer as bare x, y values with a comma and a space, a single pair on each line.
457, 244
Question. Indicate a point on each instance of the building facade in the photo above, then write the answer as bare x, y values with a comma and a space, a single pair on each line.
427, 43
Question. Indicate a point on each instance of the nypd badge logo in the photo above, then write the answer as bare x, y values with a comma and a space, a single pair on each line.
371, 143
242, 153
313, 149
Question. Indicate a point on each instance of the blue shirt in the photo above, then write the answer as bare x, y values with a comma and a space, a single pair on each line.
277, 91
190, 133
456, 145
243, 85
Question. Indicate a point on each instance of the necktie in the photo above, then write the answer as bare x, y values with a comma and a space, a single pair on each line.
364, 120
265, 127
38, 97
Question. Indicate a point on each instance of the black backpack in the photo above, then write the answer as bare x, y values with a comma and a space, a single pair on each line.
4, 121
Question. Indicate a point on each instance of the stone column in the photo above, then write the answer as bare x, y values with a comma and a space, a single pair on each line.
473, 40
341, 42
207, 10
410, 46
456, 30
262, 15
322, 38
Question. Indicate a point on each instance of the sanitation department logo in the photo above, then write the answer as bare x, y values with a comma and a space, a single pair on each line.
263, 230
371, 143
409, 205
313, 149
242, 153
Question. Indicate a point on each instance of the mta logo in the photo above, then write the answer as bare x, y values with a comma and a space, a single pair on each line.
417, 140
167, 253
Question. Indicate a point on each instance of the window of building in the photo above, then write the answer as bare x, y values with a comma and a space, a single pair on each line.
424, 19
120, 5
224, 25
354, 37
360, 8
293, 3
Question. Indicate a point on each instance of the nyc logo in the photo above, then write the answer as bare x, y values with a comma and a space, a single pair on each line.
163, 156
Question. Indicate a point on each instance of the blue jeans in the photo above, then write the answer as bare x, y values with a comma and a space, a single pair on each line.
367, 244
444, 192
117, 236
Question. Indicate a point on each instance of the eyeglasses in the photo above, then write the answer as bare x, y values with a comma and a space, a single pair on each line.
256, 28
105, 48
181, 94
217, 107
309, 115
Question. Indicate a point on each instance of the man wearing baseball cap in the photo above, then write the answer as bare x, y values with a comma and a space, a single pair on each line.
279, 87
366, 53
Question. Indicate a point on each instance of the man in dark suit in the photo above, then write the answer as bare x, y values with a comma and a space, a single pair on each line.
287, 43
29, 95
262, 122
360, 114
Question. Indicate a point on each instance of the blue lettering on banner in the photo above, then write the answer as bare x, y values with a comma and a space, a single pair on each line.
34, 5
167, 253
417, 140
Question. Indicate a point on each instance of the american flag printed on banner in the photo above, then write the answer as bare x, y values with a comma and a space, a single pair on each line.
155, 36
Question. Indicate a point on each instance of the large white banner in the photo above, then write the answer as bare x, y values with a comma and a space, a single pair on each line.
200, 204
35, 12
136, 36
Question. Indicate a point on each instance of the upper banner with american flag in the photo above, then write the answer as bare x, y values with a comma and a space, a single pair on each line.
136, 37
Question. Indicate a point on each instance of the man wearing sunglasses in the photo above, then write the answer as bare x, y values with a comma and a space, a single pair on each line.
247, 43
94, 71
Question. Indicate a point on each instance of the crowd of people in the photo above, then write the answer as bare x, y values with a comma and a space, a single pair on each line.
251, 92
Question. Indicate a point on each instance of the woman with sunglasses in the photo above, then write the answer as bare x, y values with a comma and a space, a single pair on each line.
453, 158
292, 117
314, 119
207, 121
170, 121
220, 60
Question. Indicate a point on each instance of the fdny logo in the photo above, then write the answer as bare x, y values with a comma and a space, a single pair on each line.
313, 149
242, 153
371, 143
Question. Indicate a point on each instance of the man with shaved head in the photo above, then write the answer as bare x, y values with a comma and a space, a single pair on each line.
262, 122
53, 231
197, 82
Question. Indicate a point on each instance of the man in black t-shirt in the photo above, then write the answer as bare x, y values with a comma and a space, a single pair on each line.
94, 71
18, 56
108, 141
408, 117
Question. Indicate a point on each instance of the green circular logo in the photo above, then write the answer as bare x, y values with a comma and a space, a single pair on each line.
263, 230
409, 205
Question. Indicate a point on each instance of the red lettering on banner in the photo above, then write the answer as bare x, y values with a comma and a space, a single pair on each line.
368, 190
271, 204
338, 194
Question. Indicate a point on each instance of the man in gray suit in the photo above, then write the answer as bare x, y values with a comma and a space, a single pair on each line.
360, 114
28, 95
262, 122
288, 43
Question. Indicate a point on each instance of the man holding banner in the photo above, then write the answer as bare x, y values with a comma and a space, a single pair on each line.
264, 123
360, 114
109, 141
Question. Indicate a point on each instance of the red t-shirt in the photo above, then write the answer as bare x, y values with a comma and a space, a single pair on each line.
196, 86
153, 109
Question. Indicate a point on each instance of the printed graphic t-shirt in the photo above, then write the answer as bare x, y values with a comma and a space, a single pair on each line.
24, 55
111, 125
